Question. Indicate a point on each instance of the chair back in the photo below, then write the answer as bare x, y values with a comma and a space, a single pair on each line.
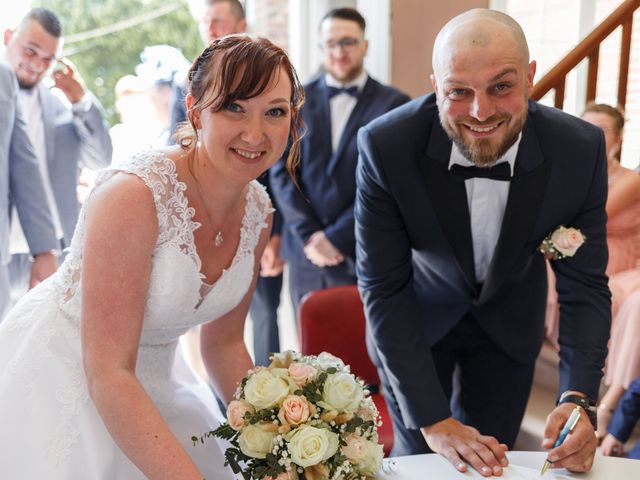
332, 320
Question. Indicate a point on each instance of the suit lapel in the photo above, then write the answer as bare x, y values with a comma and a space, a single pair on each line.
354, 122
526, 193
324, 112
449, 199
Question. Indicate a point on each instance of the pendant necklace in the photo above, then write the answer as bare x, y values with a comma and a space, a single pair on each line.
218, 239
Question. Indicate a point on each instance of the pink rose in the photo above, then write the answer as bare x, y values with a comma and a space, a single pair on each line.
355, 449
301, 373
567, 240
235, 413
367, 413
294, 410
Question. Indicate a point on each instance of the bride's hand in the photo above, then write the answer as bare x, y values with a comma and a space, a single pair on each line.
271, 263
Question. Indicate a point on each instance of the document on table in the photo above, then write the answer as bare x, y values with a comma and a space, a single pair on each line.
516, 472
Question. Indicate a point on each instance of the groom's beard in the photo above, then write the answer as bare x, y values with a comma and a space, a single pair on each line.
484, 152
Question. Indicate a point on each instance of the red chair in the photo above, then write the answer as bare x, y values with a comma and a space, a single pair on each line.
332, 320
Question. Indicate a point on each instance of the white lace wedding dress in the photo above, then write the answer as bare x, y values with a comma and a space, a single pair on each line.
49, 426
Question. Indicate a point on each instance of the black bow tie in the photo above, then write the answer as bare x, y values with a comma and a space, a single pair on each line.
333, 91
500, 171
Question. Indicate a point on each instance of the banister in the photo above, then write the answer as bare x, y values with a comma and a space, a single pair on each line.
589, 47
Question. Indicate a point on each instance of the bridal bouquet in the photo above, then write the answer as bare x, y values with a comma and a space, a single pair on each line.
301, 418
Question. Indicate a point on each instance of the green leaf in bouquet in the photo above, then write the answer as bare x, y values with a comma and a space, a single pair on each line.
265, 415
224, 431
269, 467
231, 459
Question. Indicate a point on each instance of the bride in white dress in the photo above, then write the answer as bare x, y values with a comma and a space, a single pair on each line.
92, 384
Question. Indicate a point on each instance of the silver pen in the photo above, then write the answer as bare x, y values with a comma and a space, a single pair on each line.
571, 423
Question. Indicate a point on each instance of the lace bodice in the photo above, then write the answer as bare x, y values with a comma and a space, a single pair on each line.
175, 302
40, 338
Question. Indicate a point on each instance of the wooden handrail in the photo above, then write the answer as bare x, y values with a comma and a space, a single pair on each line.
590, 48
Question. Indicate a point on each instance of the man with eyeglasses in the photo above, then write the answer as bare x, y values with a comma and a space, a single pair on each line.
65, 135
317, 238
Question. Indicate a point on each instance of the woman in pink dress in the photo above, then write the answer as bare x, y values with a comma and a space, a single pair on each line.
623, 239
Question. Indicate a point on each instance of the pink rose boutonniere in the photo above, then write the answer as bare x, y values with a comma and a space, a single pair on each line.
562, 242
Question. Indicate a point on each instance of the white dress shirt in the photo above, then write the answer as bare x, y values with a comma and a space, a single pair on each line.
487, 200
342, 105
32, 113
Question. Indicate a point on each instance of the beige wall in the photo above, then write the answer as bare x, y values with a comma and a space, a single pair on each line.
414, 26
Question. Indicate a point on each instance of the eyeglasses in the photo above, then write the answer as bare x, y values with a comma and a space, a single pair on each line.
346, 43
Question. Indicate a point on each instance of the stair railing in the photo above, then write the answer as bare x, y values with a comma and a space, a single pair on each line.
590, 48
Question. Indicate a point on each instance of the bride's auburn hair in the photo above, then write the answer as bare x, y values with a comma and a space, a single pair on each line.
240, 67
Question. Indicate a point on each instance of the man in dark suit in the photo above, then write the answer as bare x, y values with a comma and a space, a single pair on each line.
448, 264
317, 239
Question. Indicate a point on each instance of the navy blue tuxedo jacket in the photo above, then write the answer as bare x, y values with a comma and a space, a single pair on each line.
415, 255
326, 178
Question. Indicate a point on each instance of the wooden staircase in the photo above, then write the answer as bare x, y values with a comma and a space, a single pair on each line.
589, 48
555, 79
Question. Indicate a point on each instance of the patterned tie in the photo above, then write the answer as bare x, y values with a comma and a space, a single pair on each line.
333, 91
500, 171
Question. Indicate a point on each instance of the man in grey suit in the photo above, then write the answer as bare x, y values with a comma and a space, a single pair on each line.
22, 186
65, 137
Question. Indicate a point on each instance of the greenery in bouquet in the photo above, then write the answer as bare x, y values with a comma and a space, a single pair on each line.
301, 418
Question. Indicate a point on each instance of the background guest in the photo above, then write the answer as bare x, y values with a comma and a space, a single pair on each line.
318, 239
65, 136
623, 240
217, 18
21, 184
626, 415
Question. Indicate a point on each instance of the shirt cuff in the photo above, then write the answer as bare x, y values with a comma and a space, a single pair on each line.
83, 105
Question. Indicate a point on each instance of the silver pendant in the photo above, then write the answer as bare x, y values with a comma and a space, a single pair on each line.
218, 240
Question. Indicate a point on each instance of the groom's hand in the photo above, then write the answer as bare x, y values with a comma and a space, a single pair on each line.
577, 452
460, 443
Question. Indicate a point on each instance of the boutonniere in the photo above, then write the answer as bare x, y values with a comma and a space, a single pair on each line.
562, 242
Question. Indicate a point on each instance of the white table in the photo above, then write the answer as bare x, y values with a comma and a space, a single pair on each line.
524, 466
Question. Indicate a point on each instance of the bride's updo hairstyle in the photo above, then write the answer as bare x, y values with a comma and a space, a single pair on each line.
240, 67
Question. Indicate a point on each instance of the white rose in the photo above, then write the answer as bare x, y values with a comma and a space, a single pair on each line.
372, 460
264, 390
326, 360
255, 442
309, 446
341, 392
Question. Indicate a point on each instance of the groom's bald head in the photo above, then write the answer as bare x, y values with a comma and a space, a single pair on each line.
478, 29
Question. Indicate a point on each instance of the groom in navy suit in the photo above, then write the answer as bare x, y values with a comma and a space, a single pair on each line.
456, 192
317, 239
